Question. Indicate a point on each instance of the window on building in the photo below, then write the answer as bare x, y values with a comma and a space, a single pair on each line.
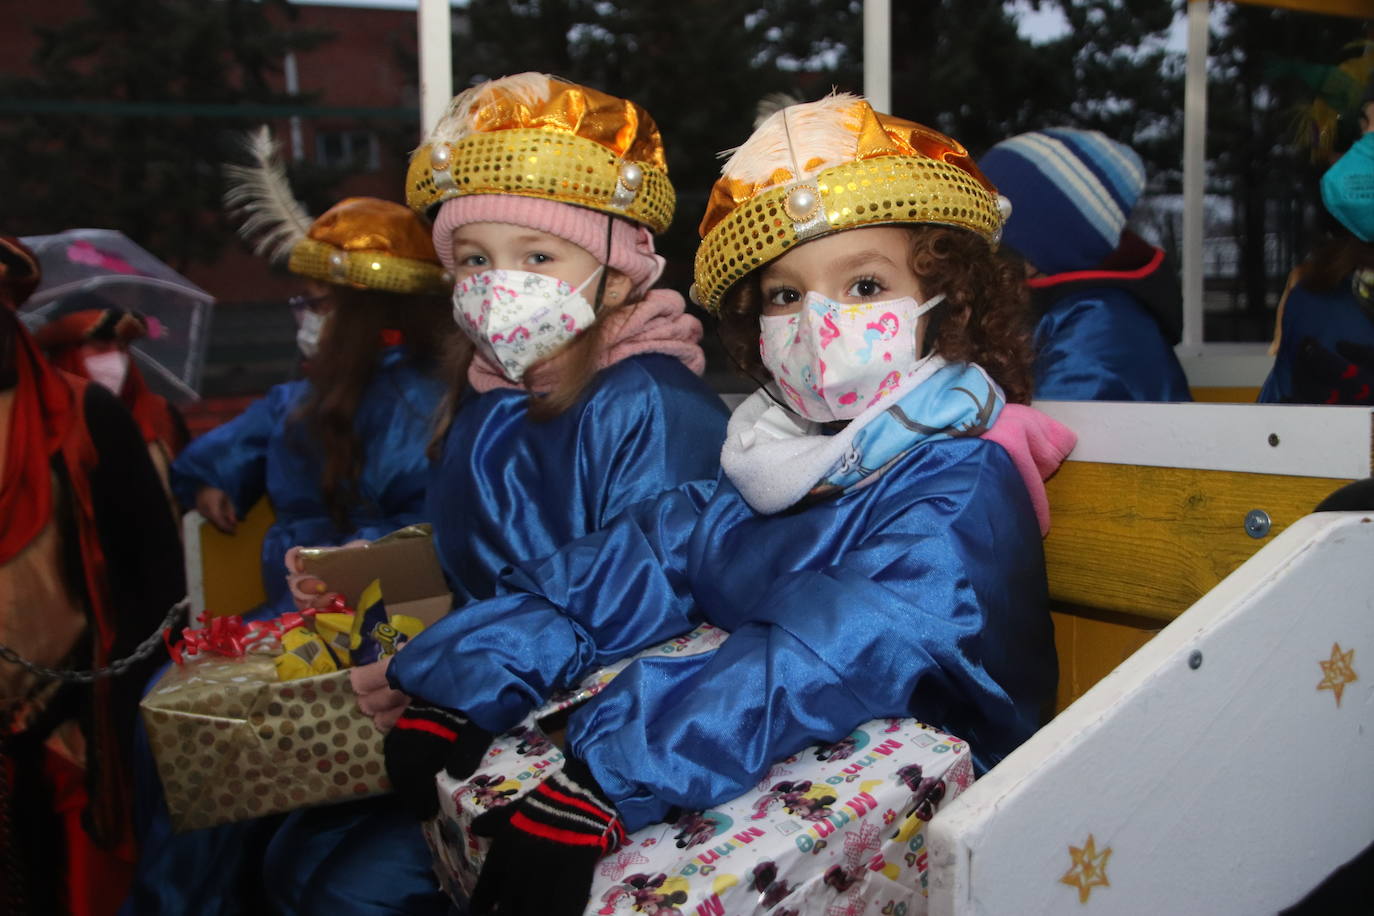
356, 149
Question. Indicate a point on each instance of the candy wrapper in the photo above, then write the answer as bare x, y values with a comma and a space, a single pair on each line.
834, 829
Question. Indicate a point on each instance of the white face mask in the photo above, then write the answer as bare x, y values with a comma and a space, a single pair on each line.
108, 369
517, 317
308, 333
834, 360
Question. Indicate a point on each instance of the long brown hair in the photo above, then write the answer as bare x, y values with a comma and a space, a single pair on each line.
984, 319
1333, 261
350, 347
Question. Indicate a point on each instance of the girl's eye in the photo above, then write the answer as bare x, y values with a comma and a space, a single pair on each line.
866, 288
783, 296
473, 260
539, 257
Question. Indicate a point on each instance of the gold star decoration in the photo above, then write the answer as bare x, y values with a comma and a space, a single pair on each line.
1089, 868
1338, 671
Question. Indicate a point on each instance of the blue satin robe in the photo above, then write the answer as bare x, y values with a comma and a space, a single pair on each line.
1102, 345
259, 453
506, 489
921, 594
208, 871
1328, 317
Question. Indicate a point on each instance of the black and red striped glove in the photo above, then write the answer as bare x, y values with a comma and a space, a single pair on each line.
545, 847
424, 740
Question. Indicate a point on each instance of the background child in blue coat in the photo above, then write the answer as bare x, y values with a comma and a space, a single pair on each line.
871, 551
340, 453
1324, 335
1108, 306
341, 456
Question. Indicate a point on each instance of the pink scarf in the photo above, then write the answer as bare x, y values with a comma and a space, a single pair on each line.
658, 323
1037, 445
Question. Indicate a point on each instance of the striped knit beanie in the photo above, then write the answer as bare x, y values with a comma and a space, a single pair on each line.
1071, 192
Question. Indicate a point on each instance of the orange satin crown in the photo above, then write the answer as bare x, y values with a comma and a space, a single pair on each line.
534, 135
771, 197
370, 244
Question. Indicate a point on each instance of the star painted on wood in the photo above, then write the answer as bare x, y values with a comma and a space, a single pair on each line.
1089, 868
1338, 671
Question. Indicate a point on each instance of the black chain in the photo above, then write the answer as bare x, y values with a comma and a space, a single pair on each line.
114, 669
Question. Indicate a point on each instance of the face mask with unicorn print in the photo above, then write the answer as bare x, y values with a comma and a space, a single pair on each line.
518, 317
834, 360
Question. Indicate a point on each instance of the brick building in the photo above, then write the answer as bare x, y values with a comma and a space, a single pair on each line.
359, 113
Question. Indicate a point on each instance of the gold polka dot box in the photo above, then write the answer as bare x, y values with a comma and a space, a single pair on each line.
233, 743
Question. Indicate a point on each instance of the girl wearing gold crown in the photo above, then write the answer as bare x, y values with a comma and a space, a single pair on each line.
341, 453
873, 544
582, 396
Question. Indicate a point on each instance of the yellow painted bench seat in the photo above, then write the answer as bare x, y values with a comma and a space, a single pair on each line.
1131, 547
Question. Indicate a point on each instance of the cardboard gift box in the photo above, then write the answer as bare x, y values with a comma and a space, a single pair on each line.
836, 828
232, 742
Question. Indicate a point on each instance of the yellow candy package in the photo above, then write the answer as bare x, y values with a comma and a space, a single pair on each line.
337, 632
303, 654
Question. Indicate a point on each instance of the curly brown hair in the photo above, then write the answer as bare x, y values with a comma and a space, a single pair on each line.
985, 318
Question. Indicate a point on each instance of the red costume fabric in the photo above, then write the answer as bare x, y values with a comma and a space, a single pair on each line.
65, 340
48, 432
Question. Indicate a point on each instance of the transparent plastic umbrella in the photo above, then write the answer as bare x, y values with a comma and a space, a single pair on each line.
104, 268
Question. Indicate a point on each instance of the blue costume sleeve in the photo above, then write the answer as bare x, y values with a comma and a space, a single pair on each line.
561, 616
1105, 348
233, 457
917, 619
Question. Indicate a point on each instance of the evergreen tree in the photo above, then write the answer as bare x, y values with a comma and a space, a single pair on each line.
1256, 154
151, 168
699, 66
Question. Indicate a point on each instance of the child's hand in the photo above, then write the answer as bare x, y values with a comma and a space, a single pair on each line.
218, 508
307, 589
558, 832
425, 740
376, 697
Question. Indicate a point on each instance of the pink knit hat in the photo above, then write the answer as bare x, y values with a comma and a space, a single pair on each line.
632, 245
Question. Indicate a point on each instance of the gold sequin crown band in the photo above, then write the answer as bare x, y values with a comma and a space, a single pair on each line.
371, 244
827, 166
533, 135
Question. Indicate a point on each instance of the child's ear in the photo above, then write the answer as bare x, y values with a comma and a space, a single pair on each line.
617, 287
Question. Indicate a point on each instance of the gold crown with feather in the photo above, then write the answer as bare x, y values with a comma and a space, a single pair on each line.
533, 135
362, 242
820, 167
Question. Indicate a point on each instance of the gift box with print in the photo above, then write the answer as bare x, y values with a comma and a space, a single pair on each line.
262, 717
836, 828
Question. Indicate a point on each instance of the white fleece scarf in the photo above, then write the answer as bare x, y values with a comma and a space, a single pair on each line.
775, 457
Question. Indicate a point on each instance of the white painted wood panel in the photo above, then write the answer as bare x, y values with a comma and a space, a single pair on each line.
1232, 787
1299, 440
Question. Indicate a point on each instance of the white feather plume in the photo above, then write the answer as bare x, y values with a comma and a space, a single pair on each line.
823, 133
275, 221
459, 120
